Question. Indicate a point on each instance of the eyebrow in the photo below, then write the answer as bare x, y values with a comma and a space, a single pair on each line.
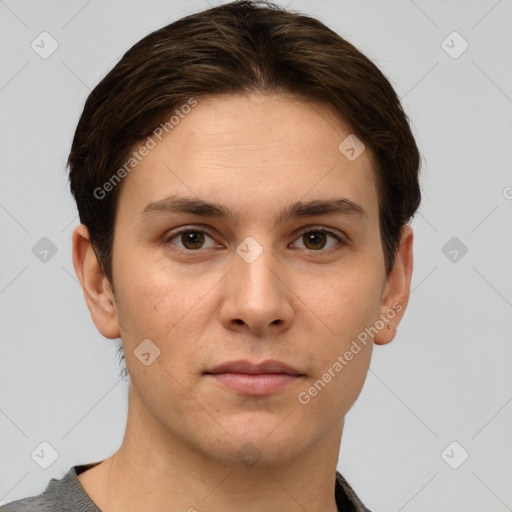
300, 209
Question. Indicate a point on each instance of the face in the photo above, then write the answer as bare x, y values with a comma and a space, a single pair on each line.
285, 264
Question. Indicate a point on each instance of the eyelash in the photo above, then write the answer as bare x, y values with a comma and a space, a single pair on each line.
310, 229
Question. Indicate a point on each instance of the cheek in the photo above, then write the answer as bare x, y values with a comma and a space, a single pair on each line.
155, 294
168, 307
348, 306
328, 396
347, 301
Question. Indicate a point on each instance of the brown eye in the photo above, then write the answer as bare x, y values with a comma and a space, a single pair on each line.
190, 240
314, 239
318, 239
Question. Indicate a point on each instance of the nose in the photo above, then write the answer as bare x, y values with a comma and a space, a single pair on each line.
256, 297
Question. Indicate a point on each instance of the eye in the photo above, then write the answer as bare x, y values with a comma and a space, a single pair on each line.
312, 238
315, 239
191, 239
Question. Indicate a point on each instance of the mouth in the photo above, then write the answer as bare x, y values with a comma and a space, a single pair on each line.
260, 379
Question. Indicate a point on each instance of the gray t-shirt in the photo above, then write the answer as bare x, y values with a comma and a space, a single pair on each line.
68, 495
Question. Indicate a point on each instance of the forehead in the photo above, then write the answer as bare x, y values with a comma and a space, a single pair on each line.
255, 148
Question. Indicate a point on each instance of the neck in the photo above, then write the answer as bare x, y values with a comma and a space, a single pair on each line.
155, 470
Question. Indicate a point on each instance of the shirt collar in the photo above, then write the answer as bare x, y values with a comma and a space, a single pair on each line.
346, 498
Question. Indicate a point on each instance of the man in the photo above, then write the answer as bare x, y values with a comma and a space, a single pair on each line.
244, 179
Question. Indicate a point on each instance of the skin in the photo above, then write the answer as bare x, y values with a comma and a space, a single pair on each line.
299, 302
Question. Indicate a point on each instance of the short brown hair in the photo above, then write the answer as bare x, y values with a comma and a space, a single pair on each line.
240, 47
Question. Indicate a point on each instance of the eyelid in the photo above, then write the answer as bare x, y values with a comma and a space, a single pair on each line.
330, 231
184, 229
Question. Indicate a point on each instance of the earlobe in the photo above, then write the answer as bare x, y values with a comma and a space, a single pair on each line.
397, 289
97, 291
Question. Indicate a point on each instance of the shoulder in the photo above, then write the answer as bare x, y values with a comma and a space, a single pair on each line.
64, 495
35, 503
47, 501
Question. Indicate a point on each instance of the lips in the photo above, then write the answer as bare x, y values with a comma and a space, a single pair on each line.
242, 366
246, 378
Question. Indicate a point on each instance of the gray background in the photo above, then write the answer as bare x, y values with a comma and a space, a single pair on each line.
446, 377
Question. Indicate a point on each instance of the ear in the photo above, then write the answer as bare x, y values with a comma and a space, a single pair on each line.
97, 291
397, 289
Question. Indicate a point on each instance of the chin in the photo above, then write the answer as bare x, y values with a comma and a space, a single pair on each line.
255, 443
